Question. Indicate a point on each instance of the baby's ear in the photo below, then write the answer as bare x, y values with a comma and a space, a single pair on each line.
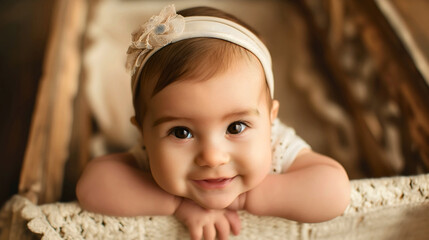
135, 123
274, 109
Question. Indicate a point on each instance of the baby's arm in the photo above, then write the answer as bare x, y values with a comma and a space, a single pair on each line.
113, 185
315, 188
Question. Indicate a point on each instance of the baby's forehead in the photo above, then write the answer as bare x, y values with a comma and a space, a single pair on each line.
240, 86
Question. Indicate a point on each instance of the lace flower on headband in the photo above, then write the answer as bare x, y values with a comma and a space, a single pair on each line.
159, 31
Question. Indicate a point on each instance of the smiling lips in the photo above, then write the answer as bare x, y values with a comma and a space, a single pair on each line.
217, 183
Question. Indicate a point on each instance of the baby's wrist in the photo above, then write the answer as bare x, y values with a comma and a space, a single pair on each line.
238, 203
178, 202
242, 200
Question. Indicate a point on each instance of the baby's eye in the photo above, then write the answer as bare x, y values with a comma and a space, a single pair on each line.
236, 128
180, 132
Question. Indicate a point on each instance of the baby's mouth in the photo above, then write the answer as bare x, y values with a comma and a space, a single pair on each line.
215, 183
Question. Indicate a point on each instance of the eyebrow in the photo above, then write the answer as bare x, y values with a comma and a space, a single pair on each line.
253, 111
162, 120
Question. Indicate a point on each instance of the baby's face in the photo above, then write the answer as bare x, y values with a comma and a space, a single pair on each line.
210, 140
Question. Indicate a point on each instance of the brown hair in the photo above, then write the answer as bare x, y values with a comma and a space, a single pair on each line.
189, 58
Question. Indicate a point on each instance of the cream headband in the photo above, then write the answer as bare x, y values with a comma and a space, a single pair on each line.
169, 27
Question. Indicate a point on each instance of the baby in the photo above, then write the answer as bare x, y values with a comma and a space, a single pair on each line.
211, 142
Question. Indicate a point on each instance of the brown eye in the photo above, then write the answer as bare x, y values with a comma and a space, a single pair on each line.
236, 128
180, 132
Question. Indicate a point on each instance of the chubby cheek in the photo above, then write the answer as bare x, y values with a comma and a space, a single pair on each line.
256, 163
169, 169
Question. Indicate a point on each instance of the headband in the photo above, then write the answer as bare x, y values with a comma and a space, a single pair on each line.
169, 27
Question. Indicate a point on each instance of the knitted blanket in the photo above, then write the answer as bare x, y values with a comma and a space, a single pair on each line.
383, 208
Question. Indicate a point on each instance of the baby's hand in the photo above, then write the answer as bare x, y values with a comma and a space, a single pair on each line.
206, 223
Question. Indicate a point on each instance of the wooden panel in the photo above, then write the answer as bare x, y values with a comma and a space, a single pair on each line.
47, 150
348, 35
412, 16
24, 28
399, 72
79, 144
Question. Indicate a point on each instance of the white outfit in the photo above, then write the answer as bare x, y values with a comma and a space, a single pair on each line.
285, 145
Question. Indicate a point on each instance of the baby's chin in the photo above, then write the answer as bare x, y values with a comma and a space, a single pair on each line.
215, 203
214, 206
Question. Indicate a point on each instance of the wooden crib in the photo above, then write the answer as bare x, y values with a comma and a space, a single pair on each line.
352, 79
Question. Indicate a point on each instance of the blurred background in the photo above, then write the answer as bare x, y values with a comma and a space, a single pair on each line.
24, 29
26, 24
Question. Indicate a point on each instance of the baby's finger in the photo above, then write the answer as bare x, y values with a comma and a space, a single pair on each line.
223, 229
234, 221
196, 233
209, 232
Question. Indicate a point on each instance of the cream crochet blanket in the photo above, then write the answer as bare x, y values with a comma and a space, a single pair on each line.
384, 208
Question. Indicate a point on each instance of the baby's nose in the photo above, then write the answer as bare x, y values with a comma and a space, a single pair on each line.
212, 157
